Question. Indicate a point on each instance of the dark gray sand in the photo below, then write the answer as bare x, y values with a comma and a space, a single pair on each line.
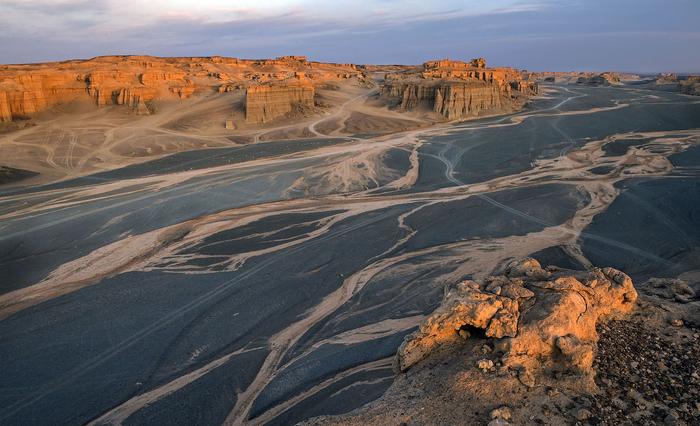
12, 175
265, 301
657, 225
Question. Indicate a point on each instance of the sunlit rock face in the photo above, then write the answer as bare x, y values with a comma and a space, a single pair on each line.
135, 81
456, 90
539, 318
266, 102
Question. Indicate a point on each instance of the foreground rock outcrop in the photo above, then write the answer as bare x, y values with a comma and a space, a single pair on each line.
518, 348
539, 318
456, 90
137, 81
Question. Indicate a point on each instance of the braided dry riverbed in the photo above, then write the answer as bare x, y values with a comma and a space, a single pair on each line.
274, 283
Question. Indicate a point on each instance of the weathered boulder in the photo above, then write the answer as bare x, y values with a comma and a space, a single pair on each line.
538, 318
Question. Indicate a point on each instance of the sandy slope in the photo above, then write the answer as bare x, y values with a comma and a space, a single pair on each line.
76, 140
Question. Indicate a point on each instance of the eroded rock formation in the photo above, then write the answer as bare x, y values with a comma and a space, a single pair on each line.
135, 81
538, 318
266, 102
518, 348
455, 90
690, 85
585, 78
603, 79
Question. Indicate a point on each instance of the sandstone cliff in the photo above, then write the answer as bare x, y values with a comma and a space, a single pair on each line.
266, 102
135, 81
451, 100
455, 90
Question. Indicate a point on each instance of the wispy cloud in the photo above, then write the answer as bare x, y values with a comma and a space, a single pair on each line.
57, 17
541, 34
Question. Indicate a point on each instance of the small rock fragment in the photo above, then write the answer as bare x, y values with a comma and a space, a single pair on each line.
502, 412
526, 378
485, 364
677, 323
618, 403
583, 414
671, 420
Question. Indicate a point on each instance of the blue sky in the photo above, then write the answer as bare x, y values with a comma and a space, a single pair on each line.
622, 35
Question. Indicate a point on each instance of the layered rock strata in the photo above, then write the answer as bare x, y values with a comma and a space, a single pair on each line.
452, 100
267, 102
135, 81
455, 90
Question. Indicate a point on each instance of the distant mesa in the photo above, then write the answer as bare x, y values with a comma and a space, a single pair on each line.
274, 88
276, 85
583, 78
456, 90
440, 90
669, 82
266, 102
604, 79
690, 85
687, 85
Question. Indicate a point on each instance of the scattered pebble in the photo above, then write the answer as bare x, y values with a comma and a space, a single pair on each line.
485, 364
526, 378
583, 414
644, 377
502, 412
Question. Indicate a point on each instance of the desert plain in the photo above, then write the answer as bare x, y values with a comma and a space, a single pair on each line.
253, 248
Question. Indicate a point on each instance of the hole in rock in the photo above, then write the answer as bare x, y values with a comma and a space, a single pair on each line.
474, 332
